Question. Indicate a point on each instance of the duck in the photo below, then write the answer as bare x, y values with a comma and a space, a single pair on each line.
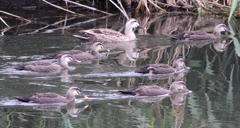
51, 97
94, 53
109, 35
218, 32
178, 64
155, 90
45, 66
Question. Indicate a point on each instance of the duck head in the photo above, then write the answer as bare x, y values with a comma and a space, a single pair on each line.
221, 29
130, 26
132, 23
179, 64
178, 87
74, 91
65, 59
98, 46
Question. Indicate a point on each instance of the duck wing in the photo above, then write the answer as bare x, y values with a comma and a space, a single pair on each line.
43, 68
38, 66
41, 62
33, 63
103, 34
156, 69
42, 98
84, 56
146, 90
199, 35
193, 35
161, 69
48, 98
142, 69
103, 31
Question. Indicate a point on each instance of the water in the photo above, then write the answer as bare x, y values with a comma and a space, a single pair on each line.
213, 78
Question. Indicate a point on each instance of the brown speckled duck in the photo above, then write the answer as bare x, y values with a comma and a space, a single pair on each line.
109, 35
80, 55
154, 90
177, 65
51, 97
46, 66
218, 31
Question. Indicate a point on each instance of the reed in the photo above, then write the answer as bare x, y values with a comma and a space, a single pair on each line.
234, 6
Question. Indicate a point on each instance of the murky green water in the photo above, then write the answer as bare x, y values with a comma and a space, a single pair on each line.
213, 79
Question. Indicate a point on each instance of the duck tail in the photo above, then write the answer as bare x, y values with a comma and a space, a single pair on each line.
19, 67
176, 36
126, 92
143, 69
22, 98
86, 36
81, 37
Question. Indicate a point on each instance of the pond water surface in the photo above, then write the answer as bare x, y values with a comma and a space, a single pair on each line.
213, 78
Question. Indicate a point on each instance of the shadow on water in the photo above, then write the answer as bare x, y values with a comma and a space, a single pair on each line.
213, 76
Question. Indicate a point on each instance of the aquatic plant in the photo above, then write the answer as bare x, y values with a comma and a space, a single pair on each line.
234, 6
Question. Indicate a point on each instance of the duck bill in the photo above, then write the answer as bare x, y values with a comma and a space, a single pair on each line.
187, 68
76, 61
83, 95
228, 31
186, 90
105, 51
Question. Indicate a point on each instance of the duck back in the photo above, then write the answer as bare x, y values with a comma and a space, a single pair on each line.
42, 98
146, 90
156, 69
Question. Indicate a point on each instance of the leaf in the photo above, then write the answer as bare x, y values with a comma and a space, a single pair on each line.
234, 5
236, 45
234, 35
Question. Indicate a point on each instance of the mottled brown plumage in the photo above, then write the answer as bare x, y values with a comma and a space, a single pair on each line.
109, 35
45, 65
51, 97
202, 35
178, 64
94, 53
154, 90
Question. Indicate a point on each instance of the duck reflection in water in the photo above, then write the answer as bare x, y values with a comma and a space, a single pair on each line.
128, 58
178, 105
65, 77
126, 53
71, 109
221, 45
178, 102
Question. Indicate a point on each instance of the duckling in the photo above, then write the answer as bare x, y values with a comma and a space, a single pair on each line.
178, 64
45, 66
109, 35
94, 53
51, 97
218, 31
154, 90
